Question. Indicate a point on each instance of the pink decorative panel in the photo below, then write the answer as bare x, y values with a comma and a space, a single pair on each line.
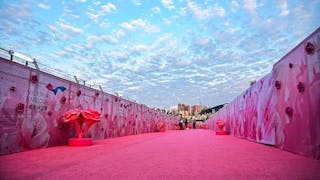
33, 103
283, 108
298, 102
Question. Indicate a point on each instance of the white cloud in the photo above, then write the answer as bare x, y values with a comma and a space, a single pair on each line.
136, 2
140, 24
184, 62
156, 10
52, 27
70, 28
168, 4
109, 7
93, 39
218, 11
93, 17
284, 8
43, 6
201, 13
234, 5
75, 16
120, 33
197, 11
160, 40
97, 3
104, 24
117, 55
128, 26
250, 5
139, 48
134, 88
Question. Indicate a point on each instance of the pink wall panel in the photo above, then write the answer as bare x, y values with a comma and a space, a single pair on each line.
33, 103
313, 70
13, 92
298, 108
283, 108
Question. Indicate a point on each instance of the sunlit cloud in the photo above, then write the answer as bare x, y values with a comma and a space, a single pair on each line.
168, 4
70, 28
43, 6
284, 8
109, 7
250, 5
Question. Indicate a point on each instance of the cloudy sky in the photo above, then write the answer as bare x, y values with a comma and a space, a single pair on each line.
159, 52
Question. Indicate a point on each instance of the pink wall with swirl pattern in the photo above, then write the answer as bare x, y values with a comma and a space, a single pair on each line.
32, 105
282, 108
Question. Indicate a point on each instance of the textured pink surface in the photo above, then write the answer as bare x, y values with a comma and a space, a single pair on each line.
188, 154
31, 114
283, 108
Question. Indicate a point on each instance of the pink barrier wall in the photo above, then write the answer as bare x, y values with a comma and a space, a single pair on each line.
31, 114
283, 108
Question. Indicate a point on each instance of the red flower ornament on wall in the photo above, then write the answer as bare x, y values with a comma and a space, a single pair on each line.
309, 48
277, 84
63, 100
34, 79
78, 93
20, 108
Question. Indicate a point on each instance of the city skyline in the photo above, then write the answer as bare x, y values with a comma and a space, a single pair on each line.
159, 53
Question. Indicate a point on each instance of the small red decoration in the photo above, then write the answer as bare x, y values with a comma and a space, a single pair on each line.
161, 127
106, 115
290, 65
300, 87
49, 86
49, 113
96, 94
289, 111
309, 48
20, 108
221, 125
13, 89
63, 100
277, 84
34, 79
78, 93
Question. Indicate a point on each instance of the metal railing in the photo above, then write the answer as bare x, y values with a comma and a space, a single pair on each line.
20, 58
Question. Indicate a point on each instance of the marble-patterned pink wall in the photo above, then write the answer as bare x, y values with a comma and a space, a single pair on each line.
282, 108
31, 113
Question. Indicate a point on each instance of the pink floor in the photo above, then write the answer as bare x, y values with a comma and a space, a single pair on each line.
188, 154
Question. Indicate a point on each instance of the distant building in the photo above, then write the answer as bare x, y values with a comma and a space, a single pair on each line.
196, 109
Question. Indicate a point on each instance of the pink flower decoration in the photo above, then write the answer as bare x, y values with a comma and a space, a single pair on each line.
81, 117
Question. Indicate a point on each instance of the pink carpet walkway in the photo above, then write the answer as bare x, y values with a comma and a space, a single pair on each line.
188, 154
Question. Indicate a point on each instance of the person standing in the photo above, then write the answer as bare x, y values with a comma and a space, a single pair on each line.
180, 124
194, 124
186, 123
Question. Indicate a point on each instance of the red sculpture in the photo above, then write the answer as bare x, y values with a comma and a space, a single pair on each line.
79, 118
161, 127
221, 125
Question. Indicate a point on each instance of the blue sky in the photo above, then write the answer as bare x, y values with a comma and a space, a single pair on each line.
159, 53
